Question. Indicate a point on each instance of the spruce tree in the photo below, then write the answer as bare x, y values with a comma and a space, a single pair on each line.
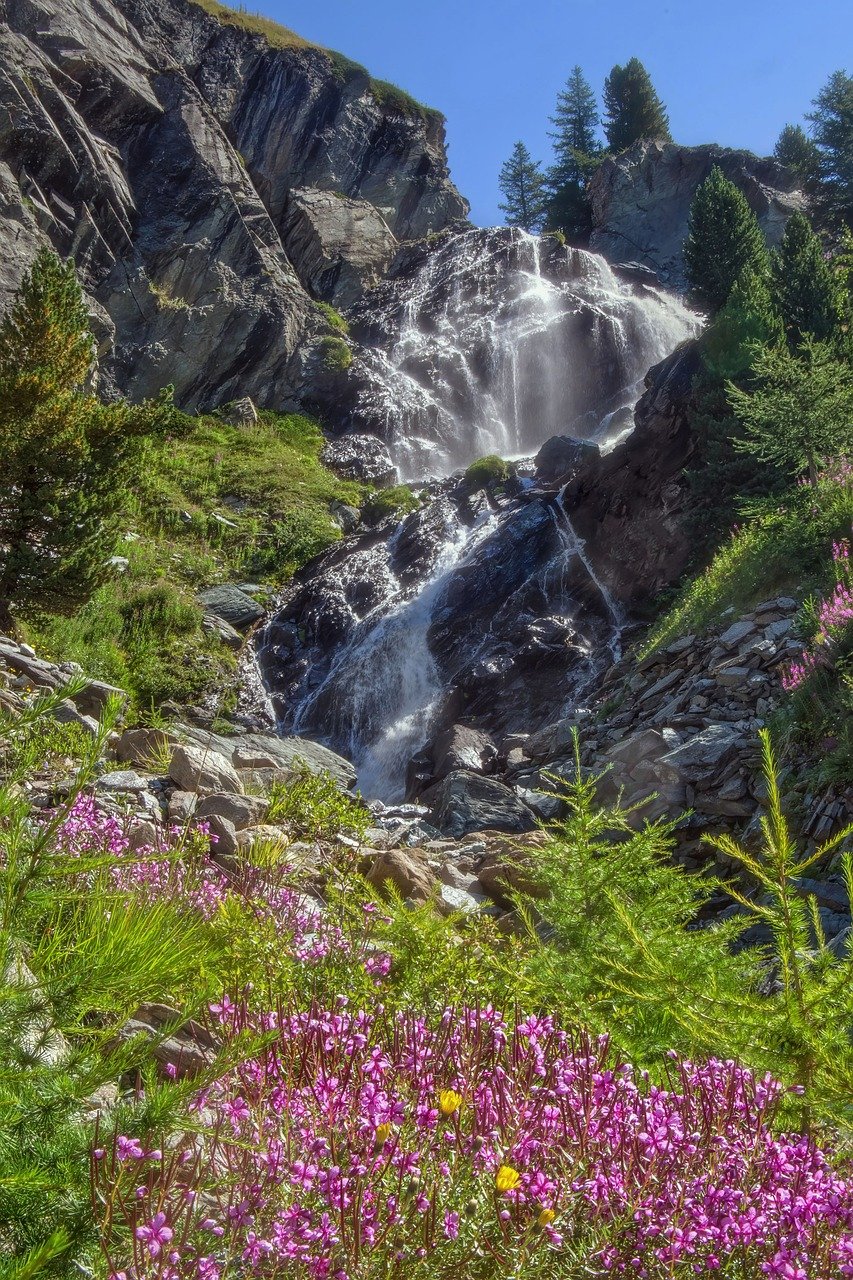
575, 122
633, 109
797, 152
750, 319
832, 131
805, 289
799, 412
723, 238
522, 185
69, 461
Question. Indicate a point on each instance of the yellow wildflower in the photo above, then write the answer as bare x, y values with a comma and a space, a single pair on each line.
383, 1133
507, 1178
449, 1101
546, 1217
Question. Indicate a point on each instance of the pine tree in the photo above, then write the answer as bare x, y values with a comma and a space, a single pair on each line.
832, 131
749, 319
796, 150
805, 289
633, 109
723, 239
575, 122
522, 185
68, 460
800, 410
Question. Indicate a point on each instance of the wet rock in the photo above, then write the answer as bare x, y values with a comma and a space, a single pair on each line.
563, 456
266, 751
360, 457
464, 802
462, 747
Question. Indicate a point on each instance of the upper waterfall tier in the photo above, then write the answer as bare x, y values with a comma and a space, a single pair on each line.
496, 340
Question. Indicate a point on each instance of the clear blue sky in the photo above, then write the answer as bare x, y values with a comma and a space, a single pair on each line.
729, 71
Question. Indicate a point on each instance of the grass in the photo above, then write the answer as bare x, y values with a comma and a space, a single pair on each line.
279, 37
333, 317
335, 355
783, 549
217, 503
398, 500
490, 470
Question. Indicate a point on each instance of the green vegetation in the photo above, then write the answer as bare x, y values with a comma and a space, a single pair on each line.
114, 516
723, 240
335, 355
312, 806
798, 152
577, 152
632, 107
522, 185
70, 462
832, 132
280, 37
490, 470
807, 293
398, 500
333, 317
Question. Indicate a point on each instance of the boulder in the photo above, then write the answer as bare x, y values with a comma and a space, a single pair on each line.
93, 697
241, 413
505, 868
224, 843
640, 200
231, 605
261, 751
182, 805
405, 869
360, 457
563, 456
465, 802
462, 747
196, 769
143, 746
241, 811
702, 755
182, 1046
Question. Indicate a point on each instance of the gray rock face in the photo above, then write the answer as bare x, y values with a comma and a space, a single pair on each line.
196, 769
641, 200
159, 149
231, 605
342, 246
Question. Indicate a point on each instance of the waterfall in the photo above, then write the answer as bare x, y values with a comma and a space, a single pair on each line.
500, 340
492, 612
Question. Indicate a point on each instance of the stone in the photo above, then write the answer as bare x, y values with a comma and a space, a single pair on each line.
462, 747
67, 713
360, 457
232, 605
182, 805
640, 200
506, 867
453, 900
229, 635
241, 413
737, 632
224, 843
562, 456
407, 870
195, 769
704, 753
346, 516
258, 751
241, 811
733, 677
465, 802
122, 780
552, 740
143, 746
93, 697
186, 1050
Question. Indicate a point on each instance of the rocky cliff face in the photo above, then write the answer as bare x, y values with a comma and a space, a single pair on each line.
162, 151
641, 200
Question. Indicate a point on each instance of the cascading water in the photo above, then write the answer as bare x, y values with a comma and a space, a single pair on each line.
500, 340
492, 342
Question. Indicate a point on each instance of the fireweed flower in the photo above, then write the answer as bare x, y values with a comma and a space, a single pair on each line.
155, 1234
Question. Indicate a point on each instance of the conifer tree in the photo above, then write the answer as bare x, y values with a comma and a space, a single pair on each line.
799, 412
633, 109
575, 122
522, 185
832, 131
796, 150
749, 320
723, 238
68, 460
805, 289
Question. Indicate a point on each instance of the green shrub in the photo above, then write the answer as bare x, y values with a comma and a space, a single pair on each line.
335, 355
333, 317
398, 500
487, 472
313, 806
